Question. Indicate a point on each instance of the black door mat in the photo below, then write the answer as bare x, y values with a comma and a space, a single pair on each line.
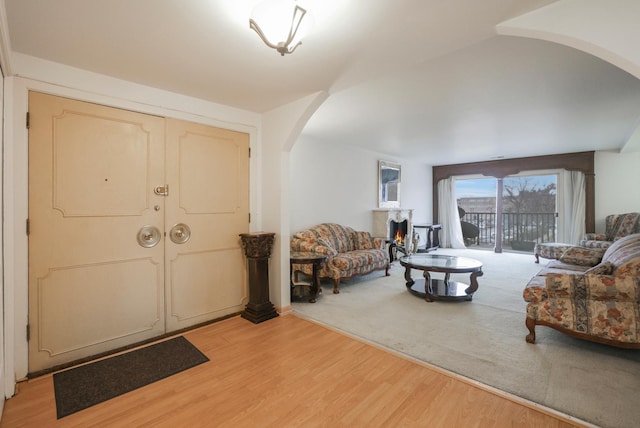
84, 386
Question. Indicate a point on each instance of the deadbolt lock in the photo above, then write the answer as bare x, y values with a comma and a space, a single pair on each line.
162, 190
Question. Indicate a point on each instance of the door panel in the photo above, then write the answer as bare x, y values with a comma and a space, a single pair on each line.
199, 286
92, 288
65, 288
90, 147
206, 275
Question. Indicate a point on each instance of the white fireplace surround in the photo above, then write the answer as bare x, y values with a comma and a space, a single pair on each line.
382, 218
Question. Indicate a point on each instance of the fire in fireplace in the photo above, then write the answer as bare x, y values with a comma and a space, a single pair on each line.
398, 231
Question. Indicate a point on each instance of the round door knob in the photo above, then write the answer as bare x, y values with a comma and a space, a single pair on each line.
148, 236
180, 233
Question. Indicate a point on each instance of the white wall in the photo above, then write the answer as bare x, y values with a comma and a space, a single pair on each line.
616, 182
338, 183
280, 129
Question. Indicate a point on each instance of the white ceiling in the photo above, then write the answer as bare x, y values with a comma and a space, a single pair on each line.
422, 79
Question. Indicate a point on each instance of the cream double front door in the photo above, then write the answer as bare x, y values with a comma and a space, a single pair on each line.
133, 227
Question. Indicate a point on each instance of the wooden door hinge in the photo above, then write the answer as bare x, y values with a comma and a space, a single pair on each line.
28, 227
28, 332
249, 217
249, 151
28, 120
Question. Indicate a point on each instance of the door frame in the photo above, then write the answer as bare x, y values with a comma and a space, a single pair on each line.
15, 184
3, 346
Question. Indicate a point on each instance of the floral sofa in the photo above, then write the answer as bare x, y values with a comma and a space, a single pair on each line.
616, 226
590, 293
349, 252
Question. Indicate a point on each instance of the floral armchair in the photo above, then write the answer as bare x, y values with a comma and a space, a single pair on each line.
616, 226
590, 293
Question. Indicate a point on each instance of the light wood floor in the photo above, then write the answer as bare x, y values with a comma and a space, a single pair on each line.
288, 372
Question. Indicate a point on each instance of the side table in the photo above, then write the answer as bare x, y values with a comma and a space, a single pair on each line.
432, 235
307, 258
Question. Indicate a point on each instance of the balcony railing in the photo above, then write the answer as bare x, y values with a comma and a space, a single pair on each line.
521, 231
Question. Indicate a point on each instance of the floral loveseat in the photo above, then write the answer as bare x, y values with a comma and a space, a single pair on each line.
349, 252
616, 226
590, 293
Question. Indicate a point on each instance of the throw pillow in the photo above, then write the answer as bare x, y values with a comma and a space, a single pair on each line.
605, 268
362, 240
582, 256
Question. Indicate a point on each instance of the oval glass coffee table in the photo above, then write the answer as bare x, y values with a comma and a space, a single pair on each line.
432, 289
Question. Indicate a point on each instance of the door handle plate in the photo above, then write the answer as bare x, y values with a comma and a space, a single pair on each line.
161, 190
148, 236
180, 233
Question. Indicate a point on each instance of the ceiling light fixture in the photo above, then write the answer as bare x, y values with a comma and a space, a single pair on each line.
292, 40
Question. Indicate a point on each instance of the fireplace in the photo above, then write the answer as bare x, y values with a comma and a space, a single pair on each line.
383, 218
392, 224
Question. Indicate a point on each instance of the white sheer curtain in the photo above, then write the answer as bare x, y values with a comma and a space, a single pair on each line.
573, 203
451, 236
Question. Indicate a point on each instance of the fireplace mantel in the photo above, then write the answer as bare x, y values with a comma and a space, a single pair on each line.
382, 217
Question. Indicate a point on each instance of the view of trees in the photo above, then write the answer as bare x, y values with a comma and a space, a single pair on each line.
522, 195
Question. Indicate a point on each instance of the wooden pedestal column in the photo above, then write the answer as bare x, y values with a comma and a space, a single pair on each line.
257, 248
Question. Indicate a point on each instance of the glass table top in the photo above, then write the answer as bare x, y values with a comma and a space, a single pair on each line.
437, 261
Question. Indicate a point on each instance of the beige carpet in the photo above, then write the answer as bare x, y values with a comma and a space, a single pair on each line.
484, 339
